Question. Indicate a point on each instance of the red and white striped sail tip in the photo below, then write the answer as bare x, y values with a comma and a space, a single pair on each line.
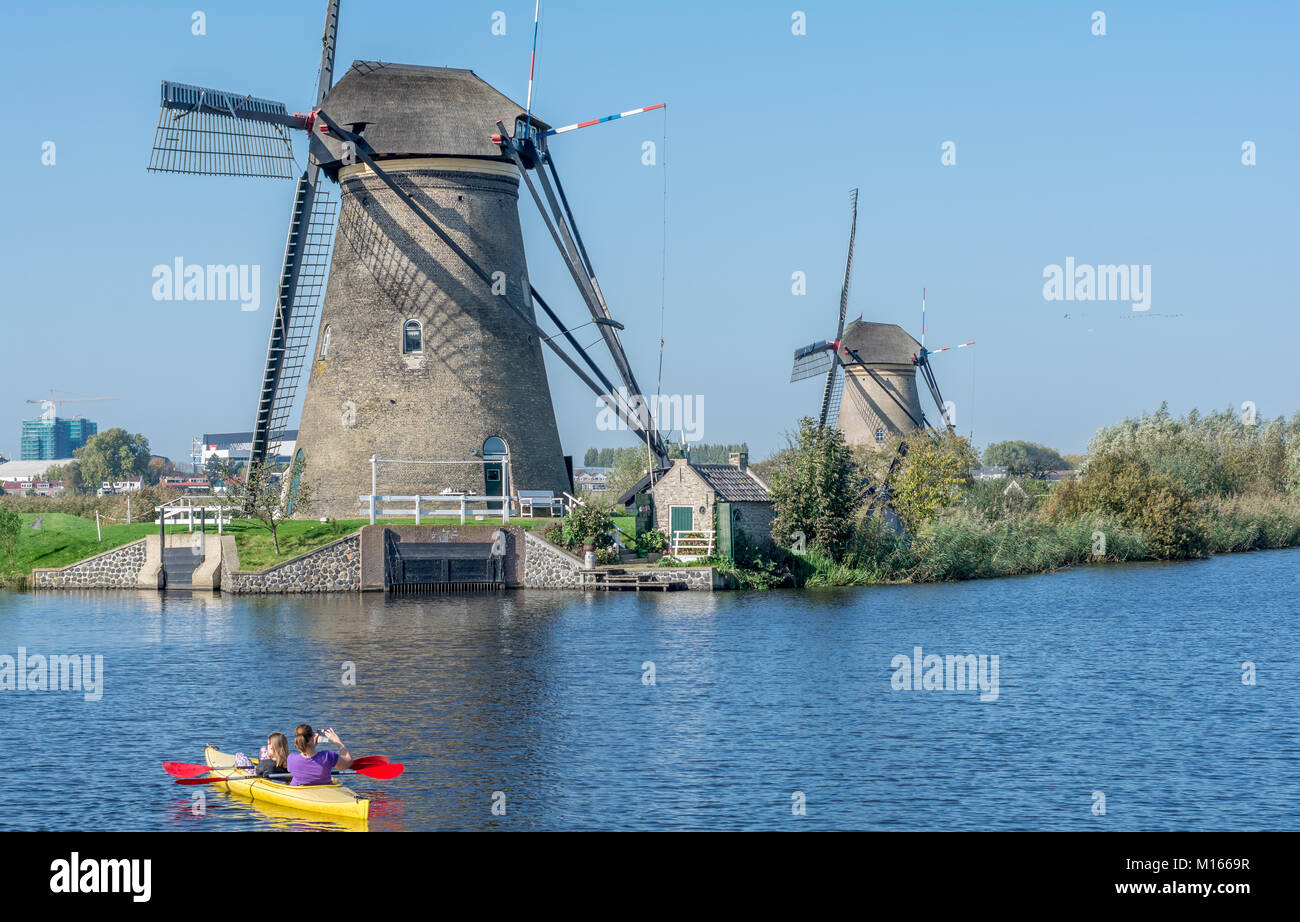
946, 348
607, 118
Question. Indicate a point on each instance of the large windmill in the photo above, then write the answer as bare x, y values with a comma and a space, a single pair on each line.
429, 344
875, 366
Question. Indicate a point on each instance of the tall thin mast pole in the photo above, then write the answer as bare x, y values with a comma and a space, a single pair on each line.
923, 321
532, 64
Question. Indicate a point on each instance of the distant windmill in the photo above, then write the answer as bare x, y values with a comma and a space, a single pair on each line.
429, 347
818, 357
875, 365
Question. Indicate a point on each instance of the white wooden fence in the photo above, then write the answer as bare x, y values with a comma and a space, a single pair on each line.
689, 545
454, 504
182, 511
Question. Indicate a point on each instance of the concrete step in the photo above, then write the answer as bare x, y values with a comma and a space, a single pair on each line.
179, 564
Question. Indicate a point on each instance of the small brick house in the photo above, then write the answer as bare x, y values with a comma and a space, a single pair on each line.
686, 496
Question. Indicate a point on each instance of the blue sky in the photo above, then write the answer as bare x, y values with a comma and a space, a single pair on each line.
1123, 148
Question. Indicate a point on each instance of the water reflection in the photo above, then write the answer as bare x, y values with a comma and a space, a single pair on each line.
1124, 679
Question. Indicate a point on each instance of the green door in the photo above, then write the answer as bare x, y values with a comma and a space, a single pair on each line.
679, 519
492, 478
644, 503
726, 531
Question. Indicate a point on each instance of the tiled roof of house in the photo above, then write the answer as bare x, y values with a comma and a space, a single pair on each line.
731, 484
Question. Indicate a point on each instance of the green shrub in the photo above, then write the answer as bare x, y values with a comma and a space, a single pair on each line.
588, 523
818, 571
932, 476
814, 490
884, 554
1124, 485
554, 533
1218, 454
11, 526
993, 498
653, 541
967, 546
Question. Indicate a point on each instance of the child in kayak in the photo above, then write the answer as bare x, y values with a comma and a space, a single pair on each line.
275, 757
311, 767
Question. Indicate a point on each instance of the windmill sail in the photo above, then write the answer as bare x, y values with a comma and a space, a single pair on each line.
217, 133
302, 280
811, 360
836, 380
302, 288
833, 392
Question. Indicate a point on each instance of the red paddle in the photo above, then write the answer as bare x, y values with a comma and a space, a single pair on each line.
367, 761
382, 772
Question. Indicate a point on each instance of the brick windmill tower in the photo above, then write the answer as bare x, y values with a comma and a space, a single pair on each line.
416, 357
429, 346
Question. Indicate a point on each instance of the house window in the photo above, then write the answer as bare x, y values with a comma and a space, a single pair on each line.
412, 337
325, 342
880, 435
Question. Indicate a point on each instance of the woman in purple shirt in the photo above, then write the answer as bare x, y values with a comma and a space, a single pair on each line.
311, 767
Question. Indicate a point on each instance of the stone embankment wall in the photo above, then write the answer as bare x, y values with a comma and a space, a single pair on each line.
549, 567
700, 579
115, 569
334, 567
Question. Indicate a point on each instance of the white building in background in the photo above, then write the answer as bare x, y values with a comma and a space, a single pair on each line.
592, 479
109, 488
29, 470
236, 446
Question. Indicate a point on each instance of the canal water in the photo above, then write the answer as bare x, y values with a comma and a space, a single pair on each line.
1119, 689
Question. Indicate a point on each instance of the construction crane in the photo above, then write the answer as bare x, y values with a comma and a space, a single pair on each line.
50, 405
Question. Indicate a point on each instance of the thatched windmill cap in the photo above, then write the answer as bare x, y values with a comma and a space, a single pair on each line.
423, 111
878, 343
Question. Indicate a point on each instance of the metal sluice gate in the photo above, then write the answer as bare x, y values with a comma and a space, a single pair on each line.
442, 566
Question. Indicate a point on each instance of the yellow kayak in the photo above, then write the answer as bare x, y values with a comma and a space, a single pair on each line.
328, 799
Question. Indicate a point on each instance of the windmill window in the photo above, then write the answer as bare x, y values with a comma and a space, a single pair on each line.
299, 462
325, 342
412, 337
880, 435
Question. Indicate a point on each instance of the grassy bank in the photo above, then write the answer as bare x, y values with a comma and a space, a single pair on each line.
1156, 487
966, 545
64, 539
